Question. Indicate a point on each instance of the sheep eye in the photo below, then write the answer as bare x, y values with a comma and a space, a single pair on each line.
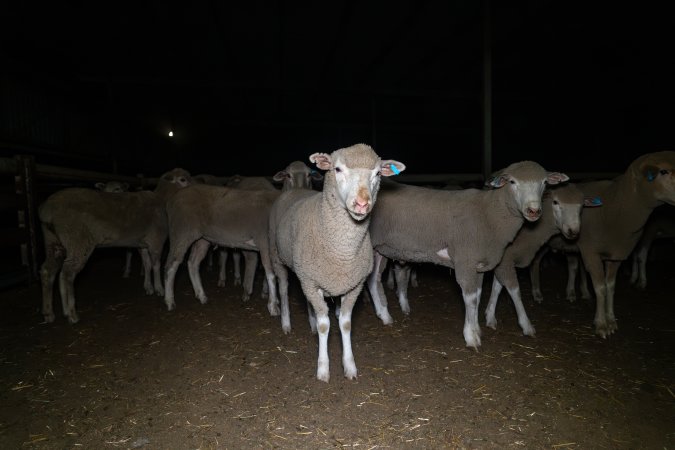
379, 172
338, 170
555, 202
664, 171
512, 182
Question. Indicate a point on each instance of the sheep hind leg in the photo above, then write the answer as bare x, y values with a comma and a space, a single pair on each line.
583, 281
176, 254
572, 269
402, 273
611, 269
197, 255
251, 261
281, 273
127, 265
222, 267
376, 289
535, 274
147, 271
236, 259
73, 264
471, 283
490, 319
509, 278
55, 254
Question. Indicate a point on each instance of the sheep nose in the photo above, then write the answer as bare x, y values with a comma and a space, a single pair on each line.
533, 213
571, 233
361, 205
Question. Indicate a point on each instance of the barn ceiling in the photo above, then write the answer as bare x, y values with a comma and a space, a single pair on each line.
282, 79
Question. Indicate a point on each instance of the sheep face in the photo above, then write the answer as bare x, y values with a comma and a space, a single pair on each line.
297, 175
113, 186
355, 171
656, 171
180, 177
567, 203
526, 180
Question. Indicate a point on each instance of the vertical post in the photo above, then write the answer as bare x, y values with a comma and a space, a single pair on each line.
373, 125
27, 215
487, 92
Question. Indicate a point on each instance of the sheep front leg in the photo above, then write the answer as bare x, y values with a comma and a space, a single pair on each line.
315, 298
345, 320
236, 259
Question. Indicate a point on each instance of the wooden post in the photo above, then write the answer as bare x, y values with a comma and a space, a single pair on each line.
487, 92
27, 213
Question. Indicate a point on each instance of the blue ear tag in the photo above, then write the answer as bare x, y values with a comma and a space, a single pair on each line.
596, 201
394, 169
650, 176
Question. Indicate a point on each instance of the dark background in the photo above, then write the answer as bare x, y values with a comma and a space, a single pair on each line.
249, 86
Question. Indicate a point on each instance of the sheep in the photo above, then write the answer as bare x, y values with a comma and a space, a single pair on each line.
117, 187
574, 266
323, 237
561, 214
467, 230
658, 227
228, 217
610, 233
75, 221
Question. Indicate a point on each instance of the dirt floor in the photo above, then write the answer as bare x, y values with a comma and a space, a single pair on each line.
223, 375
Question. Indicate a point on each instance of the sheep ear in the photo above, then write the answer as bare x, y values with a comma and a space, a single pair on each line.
322, 160
100, 186
314, 175
280, 176
556, 177
391, 167
591, 202
650, 172
497, 182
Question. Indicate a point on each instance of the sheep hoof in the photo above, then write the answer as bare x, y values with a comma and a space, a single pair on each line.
538, 298
159, 292
237, 281
350, 373
273, 308
72, 318
149, 291
386, 320
264, 294
491, 323
528, 330
203, 300
612, 326
322, 373
125, 275
221, 283
49, 317
572, 298
245, 297
170, 305
286, 329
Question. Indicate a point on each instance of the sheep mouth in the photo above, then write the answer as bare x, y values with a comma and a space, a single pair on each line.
357, 216
570, 235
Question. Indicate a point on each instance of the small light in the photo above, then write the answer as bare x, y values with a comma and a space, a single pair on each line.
170, 133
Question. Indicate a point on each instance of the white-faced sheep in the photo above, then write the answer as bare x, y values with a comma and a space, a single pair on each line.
227, 217
610, 233
466, 230
562, 208
323, 237
75, 221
